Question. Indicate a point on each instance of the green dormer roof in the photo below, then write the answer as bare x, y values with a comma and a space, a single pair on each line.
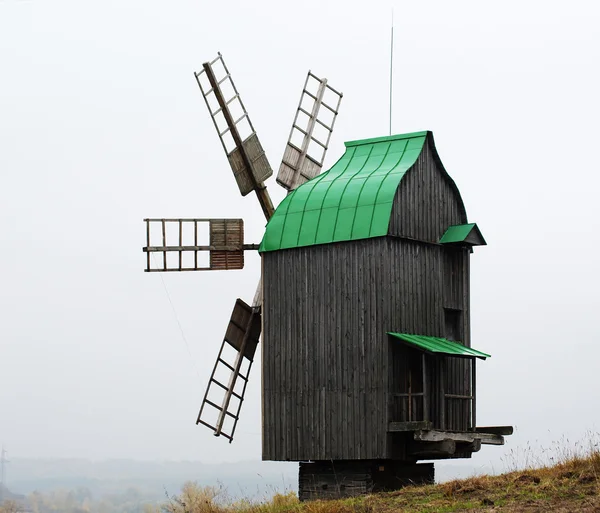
351, 201
463, 233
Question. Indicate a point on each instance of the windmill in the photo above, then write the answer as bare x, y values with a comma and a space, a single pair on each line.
363, 306
179, 240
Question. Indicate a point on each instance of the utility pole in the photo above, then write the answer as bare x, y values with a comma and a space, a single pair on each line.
3, 462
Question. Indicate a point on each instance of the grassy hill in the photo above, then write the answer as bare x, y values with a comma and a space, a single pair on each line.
565, 478
572, 485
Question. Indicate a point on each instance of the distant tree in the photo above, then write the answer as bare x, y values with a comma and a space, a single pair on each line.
86, 505
105, 506
131, 494
10, 507
36, 502
131, 500
82, 493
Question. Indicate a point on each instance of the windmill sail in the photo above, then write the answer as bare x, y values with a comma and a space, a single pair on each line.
224, 395
303, 159
236, 132
310, 134
182, 238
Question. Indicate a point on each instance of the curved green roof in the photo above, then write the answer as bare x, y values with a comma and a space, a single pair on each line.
351, 201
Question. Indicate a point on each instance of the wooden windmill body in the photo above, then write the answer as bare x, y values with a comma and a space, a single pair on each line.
363, 305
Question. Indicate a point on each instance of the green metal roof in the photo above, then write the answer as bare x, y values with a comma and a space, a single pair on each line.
439, 345
460, 233
351, 201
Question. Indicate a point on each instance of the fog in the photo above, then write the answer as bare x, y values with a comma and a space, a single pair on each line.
102, 124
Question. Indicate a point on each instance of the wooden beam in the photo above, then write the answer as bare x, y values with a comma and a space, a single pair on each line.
410, 418
235, 247
425, 389
435, 435
473, 392
400, 427
474, 446
490, 438
180, 243
148, 266
438, 436
187, 269
432, 449
496, 430
442, 392
164, 243
184, 219
195, 242
459, 396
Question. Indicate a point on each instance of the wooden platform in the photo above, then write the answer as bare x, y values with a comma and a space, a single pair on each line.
424, 443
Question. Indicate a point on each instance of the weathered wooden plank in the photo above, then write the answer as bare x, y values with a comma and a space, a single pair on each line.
425, 389
395, 427
490, 438
426, 450
438, 436
442, 392
474, 446
496, 430
474, 400
468, 437
363, 428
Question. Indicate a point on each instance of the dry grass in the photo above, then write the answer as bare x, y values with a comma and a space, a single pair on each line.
566, 481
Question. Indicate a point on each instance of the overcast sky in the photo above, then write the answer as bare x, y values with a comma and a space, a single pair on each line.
102, 124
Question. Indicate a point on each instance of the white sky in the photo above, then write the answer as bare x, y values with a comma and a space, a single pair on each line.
102, 124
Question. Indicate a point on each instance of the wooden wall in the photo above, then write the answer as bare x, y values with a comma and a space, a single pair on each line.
326, 311
427, 200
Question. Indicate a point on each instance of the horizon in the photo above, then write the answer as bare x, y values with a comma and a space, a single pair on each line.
103, 125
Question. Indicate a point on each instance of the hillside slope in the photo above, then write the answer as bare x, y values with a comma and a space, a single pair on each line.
572, 485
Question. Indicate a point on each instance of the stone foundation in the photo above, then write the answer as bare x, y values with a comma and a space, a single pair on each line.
338, 479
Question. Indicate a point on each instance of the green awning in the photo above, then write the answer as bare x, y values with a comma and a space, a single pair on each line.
465, 233
439, 345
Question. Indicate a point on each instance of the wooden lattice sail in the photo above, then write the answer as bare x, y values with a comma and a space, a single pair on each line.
172, 240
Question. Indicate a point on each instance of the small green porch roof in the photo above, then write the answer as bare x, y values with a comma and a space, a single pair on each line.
351, 201
467, 233
439, 345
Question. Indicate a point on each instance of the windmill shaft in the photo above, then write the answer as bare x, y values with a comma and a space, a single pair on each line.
260, 188
236, 247
265, 201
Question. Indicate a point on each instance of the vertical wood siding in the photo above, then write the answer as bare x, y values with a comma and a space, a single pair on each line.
327, 362
427, 201
325, 350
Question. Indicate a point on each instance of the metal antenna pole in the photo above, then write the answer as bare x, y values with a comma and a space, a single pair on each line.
391, 68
